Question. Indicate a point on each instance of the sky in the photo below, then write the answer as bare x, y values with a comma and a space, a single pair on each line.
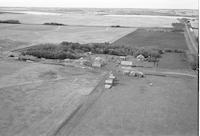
159, 4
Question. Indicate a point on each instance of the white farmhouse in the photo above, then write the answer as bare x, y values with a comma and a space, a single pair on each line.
140, 57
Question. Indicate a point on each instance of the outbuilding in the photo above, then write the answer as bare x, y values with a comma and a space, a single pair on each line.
109, 81
97, 64
123, 58
111, 76
107, 86
127, 63
126, 72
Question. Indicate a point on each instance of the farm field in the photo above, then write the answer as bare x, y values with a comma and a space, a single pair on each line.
52, 97
155, 39
174, 61
14, 35
94, 20
133, 107
160, 40
36, 99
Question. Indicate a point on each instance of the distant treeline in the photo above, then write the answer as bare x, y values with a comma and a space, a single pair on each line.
115, 26
10, 21
53, 23
75, 50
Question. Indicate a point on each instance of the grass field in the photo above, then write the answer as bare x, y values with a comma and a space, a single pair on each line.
161, 40
174, 61
196, 32
36, 98
25, 35
133, 108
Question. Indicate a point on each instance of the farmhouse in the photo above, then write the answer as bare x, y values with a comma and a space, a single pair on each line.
140, 57
98, 62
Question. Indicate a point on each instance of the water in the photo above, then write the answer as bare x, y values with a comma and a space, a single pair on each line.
35, 13
148, 16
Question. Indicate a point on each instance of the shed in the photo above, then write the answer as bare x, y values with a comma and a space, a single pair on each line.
139, 74
126, 68
96, 64
132, 73
112, 76
108, 86
109, 81
99, 59
123, 58
126, 72
127, 63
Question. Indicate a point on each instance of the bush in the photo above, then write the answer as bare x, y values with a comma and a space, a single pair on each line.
194, 63
50, 51
115, 26
179, 51
10, 21
161, 52
174, 50
53, 23
168, 50
75, 50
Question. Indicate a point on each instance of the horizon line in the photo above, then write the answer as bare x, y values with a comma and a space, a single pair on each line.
99, 7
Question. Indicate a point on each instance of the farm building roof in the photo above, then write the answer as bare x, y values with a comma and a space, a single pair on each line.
108, 86
127, 63
140, 56
97, 64
109, 81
